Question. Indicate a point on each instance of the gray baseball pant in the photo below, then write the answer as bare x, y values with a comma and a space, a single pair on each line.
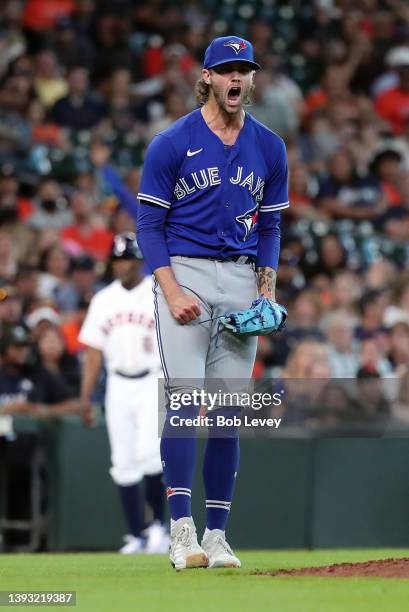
189, 352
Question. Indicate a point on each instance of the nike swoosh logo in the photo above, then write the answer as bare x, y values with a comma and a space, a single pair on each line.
191, 153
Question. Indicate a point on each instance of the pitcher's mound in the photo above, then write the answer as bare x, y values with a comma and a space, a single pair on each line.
386, 568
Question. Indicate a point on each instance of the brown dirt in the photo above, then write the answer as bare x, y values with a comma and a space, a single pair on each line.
387, 568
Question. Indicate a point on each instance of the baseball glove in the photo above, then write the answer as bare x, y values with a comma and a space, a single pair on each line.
262, 318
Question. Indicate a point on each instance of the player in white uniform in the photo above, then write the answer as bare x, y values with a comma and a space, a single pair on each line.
120, 329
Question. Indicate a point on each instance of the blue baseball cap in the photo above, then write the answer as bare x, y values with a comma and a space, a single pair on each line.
229, 49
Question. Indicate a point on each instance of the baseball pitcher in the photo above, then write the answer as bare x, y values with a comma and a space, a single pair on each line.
212, 189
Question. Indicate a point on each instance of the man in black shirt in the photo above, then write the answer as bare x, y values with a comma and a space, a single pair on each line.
27, 388
79, 109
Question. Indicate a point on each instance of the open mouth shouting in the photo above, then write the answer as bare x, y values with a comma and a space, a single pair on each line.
234, 96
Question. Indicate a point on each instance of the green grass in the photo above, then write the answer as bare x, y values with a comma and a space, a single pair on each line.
110, 582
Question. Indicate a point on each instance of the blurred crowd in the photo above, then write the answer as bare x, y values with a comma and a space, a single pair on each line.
84, 85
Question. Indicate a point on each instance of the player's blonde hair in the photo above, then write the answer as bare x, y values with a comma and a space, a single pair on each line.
202, 91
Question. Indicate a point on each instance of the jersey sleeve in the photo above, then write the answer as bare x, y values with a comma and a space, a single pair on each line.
91, 333
268, 250
275, 196
151, 235
159, 173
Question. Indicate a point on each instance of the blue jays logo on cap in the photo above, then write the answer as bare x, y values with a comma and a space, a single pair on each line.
236, 46
229, 49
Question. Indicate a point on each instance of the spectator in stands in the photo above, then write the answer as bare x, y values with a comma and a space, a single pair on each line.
345, 195
386, 167
336, 406
380, 274
27, 389
54, 266
49, 84
395, 222
305, 313
80, 109
11, 307
338, 328
329, 259
345, 292
70, 44
100, 154
16, 92
277, 102
54, 357
8, 257
50, 207
372, 308
82, 284
120, 105
372, 403
261, 35
43, 131
175, 107
111, 39
13, 42
373, 356
303, 325
8, 181
341, 64
302, 188
304, 377
121, 221
291, 278
71, 326
318, 143
398, 310
26, 284
23, 243
85, 182
399, 347
84, 234
40, 319
393, 104
41, 15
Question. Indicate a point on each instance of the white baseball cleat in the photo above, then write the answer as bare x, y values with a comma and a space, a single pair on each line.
185, 551
157, 539
133, 546
217, 549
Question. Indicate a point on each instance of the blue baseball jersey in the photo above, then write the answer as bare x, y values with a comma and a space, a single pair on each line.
218, 197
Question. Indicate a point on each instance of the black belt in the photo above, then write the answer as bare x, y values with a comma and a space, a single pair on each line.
140, 375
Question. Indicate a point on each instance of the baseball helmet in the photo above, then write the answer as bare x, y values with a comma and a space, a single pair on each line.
125, 246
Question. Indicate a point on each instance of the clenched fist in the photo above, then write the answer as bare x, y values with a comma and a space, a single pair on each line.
184, 307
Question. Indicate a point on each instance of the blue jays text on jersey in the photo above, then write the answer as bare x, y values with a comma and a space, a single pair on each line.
218, 197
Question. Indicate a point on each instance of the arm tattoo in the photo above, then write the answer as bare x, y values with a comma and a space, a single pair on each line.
266, 279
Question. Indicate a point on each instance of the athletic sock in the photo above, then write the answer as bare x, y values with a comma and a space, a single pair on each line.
154, 495
178, 453
220, 466
131, 503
